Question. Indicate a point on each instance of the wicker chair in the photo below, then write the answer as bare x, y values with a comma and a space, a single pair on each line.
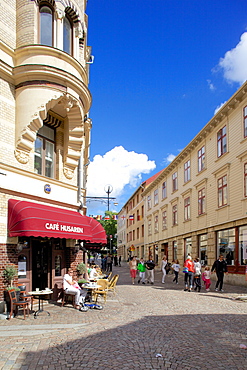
112, 284
102, 290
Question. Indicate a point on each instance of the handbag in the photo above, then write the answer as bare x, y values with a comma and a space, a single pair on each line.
185, 270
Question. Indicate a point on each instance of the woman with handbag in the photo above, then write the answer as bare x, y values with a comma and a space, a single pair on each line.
188, 271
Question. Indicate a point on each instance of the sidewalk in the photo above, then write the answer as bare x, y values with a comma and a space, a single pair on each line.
186, 330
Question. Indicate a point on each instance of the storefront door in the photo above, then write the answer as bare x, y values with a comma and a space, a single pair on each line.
41, 252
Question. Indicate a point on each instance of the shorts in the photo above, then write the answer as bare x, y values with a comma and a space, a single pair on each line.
133, 273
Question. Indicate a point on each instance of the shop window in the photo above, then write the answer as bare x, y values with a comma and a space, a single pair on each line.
201, 201
175, 250
44, 152
187, 171
46, 25
222, 191
58, 266
203, 242
245, 121
201, 159
221, 141
22, 267
67, 35
164, 191
242, 245
187, 209
188, 247
226, 245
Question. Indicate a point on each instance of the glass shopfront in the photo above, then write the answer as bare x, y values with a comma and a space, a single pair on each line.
242, 249
226, 245
203, 242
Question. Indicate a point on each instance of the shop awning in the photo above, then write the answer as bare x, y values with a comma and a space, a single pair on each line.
34, 219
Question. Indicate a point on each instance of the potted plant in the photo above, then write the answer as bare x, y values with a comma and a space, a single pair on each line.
9, 273
81, 268
82, 281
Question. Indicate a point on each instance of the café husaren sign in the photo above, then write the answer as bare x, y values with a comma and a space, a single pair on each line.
59, 227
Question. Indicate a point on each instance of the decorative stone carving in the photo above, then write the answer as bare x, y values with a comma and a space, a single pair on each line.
21, 156
68, 173
60, 14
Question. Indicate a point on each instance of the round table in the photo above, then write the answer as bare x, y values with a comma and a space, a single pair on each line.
40, 294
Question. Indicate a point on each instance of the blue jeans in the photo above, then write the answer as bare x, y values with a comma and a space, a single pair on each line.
188, 276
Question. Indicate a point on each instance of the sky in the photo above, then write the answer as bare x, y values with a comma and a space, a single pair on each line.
161, 70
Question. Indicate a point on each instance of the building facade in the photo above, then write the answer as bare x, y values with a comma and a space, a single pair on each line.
44, 138
198, 204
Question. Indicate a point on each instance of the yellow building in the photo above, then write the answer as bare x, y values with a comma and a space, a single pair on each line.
198, 204
44, 138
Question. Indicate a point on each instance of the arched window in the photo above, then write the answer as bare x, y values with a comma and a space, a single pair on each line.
46, 25
67, 35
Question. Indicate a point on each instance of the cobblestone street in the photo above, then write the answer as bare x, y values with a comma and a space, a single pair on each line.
143, 327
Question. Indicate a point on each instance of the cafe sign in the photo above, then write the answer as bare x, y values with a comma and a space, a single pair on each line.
67, 228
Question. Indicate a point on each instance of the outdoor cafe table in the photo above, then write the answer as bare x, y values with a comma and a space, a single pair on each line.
90, 288
41, 294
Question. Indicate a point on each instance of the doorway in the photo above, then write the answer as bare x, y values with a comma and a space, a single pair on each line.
41, 251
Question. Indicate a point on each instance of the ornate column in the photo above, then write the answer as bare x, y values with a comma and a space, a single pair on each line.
60, 14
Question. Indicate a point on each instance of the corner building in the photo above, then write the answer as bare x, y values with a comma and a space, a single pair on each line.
198, 204
44, 139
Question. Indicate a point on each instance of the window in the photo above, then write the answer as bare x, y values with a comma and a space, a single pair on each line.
133, 234
46, 25
67, 35
175, 181
156, 199
187, 171
156, 223
164, 192
142, 211
222, 191
137, 199
201, 201
221, 139
226, 245
142, 231
149, 227
137, 233
203, 242
188, 246
164, 220
243, 245
245, 121
174, 215
201, 159
175, 250
58, 266
187, 209
44, 152
22, 266
245, 179
149, 202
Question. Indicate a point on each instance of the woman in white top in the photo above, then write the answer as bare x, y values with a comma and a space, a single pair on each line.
163, 269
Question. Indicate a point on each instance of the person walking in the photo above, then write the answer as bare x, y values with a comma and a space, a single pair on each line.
188, 273
176, 268
109, 263
119, 261
142, 269
197, 276
133, 269
150, 265
220, 267
206, 278
163, 269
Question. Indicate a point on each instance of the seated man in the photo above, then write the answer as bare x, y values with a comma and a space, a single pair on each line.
93, 273
71, 286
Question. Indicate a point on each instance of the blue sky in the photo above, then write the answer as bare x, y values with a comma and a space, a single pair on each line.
161, 68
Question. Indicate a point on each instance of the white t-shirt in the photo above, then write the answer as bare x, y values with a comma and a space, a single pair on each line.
176, 267
93, 273
67, 278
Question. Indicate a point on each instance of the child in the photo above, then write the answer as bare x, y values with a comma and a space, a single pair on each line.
176, 268
141, 268
206, 278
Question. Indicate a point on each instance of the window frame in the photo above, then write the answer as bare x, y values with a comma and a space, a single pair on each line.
222, 141
149, 202
222, 191
187, 209
245, 179
47, 5
164, 190
156, 223
201, 158
164, 219
201, 201
156, 197
43, 156
245, 121
187, 176
175, 181
68, 18
174, 215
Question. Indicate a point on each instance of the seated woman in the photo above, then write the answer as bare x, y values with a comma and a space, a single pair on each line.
93, 273
71, 286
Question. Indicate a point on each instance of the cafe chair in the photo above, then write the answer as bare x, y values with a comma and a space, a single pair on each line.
15, 304
24, 296
109, 276
112, 284
102, 290
68, 298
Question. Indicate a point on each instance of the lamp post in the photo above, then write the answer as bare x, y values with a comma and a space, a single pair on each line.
108, 189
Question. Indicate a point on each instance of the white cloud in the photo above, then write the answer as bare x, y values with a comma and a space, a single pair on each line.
119, 168
169, 158
218, 107
234, 63
211, 85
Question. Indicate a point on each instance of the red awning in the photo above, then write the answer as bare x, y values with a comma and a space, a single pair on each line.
33, 219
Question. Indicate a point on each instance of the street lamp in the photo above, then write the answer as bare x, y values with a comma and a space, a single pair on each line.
108, 189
